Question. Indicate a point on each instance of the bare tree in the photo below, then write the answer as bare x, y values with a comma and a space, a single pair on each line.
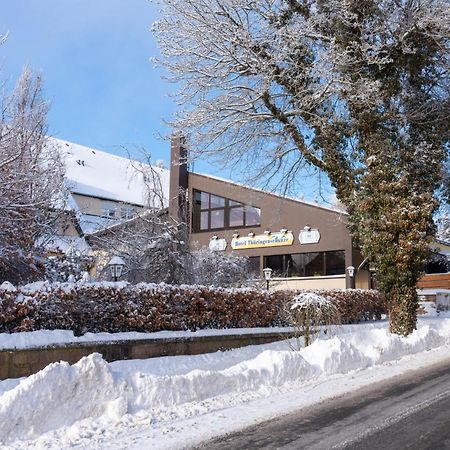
153, 248
31, 180
156, 248
220, 269
357, 89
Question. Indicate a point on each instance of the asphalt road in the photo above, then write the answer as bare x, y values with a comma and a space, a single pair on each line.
407, 412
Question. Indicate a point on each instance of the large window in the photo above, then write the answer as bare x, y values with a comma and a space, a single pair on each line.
212, 212
307, 264
127, 212
108, 210
253, 265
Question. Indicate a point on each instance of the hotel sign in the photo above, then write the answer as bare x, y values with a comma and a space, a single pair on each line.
262, 241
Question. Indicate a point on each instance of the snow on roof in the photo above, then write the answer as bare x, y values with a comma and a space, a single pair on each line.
90, 224
65, 244
298, 200
99, 174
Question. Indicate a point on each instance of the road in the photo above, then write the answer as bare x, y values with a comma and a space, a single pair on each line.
407, 412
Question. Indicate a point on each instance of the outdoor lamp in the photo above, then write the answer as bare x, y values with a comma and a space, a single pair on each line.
351, 274
116, 265
267, 275
351, 271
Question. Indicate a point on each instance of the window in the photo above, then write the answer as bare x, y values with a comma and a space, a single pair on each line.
212, 212
252, 216
127, 213
237, 217
335, 263
108, 210
253, 265
278, 265
307, 264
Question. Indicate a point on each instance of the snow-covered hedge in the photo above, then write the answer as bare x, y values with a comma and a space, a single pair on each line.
115, 307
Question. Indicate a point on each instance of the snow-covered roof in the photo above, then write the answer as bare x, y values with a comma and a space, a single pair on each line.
65, 244
90, 224
100, 174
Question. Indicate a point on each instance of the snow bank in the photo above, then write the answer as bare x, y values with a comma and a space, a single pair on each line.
45, 338
60, 395
171, 388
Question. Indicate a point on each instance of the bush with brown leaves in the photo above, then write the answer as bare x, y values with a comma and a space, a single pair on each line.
119, 307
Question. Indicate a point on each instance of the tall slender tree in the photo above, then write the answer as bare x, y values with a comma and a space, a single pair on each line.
357, 88
31, 181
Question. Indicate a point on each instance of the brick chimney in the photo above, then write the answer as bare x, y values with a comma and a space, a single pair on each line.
178, 179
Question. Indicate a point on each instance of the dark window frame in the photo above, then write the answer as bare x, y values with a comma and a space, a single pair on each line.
197, 210
287, 258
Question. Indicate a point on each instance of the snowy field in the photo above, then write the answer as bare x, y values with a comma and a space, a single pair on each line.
179, 401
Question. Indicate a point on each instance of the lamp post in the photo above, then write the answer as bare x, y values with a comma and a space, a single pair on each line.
116, 265
351, 274
267, 275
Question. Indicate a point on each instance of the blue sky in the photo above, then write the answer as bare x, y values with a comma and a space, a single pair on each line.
94, 55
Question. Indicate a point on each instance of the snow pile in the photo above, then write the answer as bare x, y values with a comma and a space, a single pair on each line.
7, 286
427, 309
173, 388
60, 395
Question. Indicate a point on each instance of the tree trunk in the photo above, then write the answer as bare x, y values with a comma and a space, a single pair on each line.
402, 306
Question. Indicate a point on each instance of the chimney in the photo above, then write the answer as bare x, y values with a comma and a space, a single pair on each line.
178, 179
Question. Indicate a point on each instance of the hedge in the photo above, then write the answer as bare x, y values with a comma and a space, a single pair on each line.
118, 307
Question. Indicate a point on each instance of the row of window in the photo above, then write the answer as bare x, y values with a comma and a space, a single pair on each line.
212, 212
307, 264
110, 211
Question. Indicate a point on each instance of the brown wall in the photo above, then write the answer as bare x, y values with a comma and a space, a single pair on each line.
276, 213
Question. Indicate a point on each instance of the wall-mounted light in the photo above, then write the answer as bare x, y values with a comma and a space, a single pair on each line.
351, 271
267, 232
215, 237
307, 228
251, 234
235, 235
283, 230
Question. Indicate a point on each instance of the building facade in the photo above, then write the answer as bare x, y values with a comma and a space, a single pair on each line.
305, 245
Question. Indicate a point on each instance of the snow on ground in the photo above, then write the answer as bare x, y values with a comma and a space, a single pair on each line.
174, 402
45, 338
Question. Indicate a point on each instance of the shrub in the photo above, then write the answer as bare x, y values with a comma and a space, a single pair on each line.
116, 307
308, 311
